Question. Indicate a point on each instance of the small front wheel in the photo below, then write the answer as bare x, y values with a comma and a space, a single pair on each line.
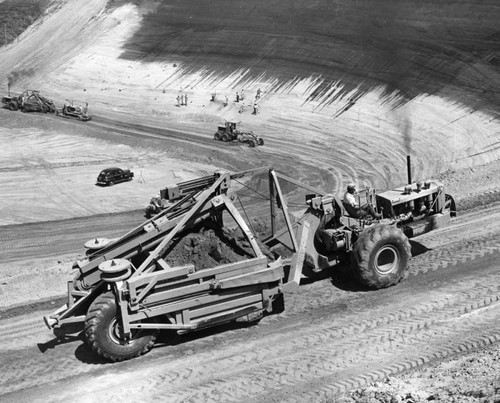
104, 333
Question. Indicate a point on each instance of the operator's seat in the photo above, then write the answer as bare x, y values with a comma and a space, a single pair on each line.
351, 212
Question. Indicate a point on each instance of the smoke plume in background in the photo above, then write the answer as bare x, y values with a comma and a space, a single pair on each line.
15, 76
377, 27
407, 135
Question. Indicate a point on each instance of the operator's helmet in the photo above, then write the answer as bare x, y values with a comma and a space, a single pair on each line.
351, 186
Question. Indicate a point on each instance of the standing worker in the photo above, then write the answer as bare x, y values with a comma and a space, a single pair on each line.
255, 107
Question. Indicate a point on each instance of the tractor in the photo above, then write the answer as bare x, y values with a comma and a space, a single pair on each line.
127, 290
230, 131
29, 101
74, 111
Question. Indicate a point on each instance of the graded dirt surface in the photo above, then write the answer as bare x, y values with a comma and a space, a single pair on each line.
348, 91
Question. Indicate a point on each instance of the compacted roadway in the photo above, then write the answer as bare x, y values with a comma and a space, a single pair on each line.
332, 337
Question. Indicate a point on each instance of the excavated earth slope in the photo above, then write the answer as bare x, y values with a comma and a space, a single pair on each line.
348, 90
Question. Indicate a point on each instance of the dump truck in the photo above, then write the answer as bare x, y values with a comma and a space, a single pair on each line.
125, 292
230, 131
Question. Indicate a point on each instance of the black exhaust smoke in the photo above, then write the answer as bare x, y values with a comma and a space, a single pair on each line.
408, 168
15, 76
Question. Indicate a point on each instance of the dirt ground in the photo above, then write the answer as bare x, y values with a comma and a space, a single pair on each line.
347, 93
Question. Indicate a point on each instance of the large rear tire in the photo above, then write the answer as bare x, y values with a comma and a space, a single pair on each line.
13, 106
217, 136
225, 138
103, 333
381, 256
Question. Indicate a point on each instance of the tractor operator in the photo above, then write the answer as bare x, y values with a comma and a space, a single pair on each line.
352, 206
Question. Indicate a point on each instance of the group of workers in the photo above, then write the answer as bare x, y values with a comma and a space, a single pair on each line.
182, 99
240, 96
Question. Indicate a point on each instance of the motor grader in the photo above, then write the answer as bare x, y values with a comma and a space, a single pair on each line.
230, 131
125, 292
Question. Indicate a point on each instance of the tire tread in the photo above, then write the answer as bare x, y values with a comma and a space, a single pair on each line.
92, 321
363, 250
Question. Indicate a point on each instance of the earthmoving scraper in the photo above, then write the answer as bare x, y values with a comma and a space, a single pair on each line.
126, 292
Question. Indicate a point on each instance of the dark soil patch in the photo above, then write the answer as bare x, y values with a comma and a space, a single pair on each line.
209, 246
17, 15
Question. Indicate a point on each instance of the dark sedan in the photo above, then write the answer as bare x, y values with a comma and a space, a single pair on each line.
110, 176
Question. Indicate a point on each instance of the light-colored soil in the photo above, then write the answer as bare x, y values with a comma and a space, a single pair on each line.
444, 116
466, 378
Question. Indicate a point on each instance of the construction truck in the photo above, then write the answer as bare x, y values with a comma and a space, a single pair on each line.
29, 101
126, 291
230, 131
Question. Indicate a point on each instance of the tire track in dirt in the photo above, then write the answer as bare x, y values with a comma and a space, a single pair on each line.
317, 305
311, 339
477, 337
59, 194
81, 224
431, 261
63, 236
246, 373
308, 158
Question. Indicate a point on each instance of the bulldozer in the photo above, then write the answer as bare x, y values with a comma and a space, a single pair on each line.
230, 131
125, 291
72, 110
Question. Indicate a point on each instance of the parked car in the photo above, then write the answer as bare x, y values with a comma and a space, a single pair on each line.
110, 176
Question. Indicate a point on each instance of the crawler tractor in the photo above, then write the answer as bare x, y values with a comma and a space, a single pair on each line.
71, 110
230, 131
125, 292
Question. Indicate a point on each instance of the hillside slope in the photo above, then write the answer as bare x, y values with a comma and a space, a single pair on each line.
351, 90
